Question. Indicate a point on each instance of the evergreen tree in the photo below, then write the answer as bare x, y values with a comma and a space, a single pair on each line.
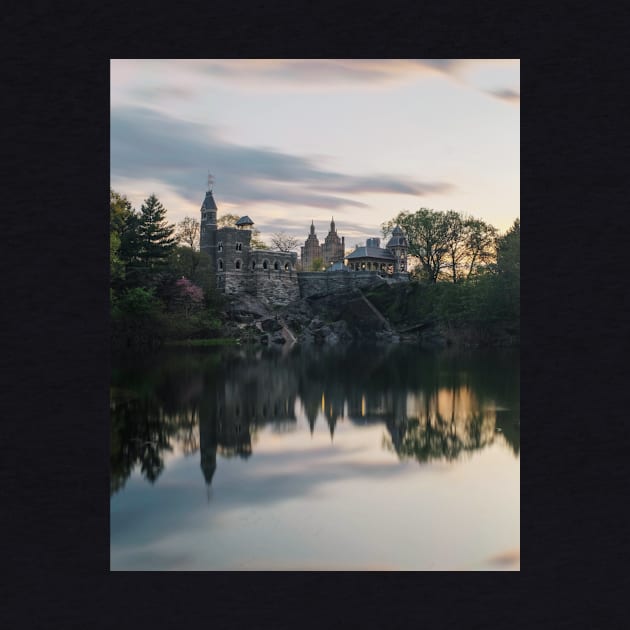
156, 237
119, 211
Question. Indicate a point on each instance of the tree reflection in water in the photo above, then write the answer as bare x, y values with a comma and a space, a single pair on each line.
432, 405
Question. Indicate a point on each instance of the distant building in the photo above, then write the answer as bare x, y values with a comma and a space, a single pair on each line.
330, 251
311, 251
334, 247
372, 257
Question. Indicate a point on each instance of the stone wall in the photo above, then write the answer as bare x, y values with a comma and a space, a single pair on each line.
271, 277
265, 274
276, 287
324, 282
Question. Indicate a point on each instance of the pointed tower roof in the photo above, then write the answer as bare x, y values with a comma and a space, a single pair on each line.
398, 238
312, 227
244, 221
208, 202
332, 224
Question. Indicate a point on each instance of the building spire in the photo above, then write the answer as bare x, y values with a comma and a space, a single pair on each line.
210, 182
312, 227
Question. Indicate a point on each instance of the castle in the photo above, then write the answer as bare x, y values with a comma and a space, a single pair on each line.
272, 276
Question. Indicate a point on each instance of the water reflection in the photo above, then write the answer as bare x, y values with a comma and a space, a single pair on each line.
215, 401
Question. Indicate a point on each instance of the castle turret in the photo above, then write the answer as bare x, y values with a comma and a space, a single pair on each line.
208, 235
399, 247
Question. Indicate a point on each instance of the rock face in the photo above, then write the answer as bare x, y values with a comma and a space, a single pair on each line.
333, 319
337, 318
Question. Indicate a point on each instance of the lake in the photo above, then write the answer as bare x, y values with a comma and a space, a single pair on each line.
361, 458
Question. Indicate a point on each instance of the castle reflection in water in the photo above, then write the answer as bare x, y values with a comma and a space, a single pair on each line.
430, 406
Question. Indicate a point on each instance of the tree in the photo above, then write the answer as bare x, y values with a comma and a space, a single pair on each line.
188, 248
188, 232
284, 242
116, 265
481, 244
318, 265
509, 251
446, 241
427, 235
189, 296
156, 236
227, 220
119, 211
455, 242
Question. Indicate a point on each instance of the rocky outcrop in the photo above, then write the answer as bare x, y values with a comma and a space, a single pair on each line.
328, 320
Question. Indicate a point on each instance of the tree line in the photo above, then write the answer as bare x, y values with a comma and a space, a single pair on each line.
161, 283
470, 272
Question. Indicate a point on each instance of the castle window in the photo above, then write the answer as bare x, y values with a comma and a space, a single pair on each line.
286, 266
265, 264
239, 247
253, 264
237, 264
220, 246
275, 265
220, 265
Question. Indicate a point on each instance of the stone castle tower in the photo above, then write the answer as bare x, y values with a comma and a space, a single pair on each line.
208, 226
238, 267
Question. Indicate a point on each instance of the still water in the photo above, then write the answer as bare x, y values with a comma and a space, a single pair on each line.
367, 458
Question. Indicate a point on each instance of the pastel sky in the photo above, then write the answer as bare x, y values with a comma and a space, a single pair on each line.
290, 141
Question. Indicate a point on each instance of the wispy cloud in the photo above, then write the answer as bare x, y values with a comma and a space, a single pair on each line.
307, 74
146, 144
511, 96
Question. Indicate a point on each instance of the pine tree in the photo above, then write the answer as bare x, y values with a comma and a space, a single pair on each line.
156, 236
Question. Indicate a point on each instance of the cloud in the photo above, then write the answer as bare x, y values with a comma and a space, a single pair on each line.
155, 92
508, 558
511, 96
148, 145
303, 74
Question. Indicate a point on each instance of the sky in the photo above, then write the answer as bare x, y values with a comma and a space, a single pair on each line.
288, 141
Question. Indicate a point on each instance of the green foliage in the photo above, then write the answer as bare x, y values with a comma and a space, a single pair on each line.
159, 289
509, 252
446, 244
136, 319
318, 265
119, 211
116, 265
137, 302
157, 239
184, 261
